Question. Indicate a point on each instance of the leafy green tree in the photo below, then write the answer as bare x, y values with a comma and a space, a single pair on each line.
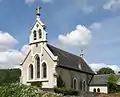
106, 70
112, 87
9, 76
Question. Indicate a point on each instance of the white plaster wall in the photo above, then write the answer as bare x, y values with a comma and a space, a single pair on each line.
24, 69
50, 71
103, 89
31, 40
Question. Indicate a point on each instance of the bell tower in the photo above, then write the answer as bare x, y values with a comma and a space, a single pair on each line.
38, 33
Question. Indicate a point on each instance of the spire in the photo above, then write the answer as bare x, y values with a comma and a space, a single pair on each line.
38, 11
81, 54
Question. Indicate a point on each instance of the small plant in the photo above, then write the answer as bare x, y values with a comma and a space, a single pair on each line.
37, 84
66, 91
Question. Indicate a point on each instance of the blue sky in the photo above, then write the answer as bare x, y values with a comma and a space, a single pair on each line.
100, 20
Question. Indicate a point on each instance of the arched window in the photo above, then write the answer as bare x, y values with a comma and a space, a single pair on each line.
44, 70
38, 66
30, 71
34, 35
80, 85
40, 34
98, 90
75, 83
84, 85
94, 90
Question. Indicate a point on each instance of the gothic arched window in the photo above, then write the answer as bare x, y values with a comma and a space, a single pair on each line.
80, 85
40, 33
75, 83
34, 35
44, 70
38, 66
30, 71
84, 85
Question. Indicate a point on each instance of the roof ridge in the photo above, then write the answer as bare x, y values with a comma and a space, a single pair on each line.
65, 51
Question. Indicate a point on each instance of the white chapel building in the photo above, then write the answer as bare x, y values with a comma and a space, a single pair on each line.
44, 63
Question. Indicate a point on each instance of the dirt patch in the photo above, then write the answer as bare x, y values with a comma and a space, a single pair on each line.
109, 95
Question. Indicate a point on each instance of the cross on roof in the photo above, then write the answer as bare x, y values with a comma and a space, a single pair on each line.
38, 11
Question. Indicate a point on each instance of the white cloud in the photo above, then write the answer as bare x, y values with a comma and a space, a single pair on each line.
112, 5
87, 9
32, 1
9, 57
6, 41
25, 49
29, 1
47, 1
81, 36
95, 25
97, 66
12, 58
84, 6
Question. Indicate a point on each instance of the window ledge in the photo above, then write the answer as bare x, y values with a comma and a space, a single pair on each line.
38, 80
44, 79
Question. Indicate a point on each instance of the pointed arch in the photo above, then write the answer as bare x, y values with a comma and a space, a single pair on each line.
84, 85
30, 71
40, 33
34, 35
80, 85
44, 70
75, 83
37, 63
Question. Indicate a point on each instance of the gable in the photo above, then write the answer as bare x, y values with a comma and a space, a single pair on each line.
28, 54
37, 22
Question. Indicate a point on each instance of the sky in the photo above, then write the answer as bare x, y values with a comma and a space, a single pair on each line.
72, 25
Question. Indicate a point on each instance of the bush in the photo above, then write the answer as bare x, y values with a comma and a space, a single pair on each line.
60, 82
19, 90
65, 91
37, 84
118, 89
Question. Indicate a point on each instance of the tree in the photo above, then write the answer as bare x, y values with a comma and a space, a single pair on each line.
112, 87
9, 76
106, 70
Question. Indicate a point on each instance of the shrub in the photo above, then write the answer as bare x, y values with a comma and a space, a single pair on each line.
37, 84
118, 89
65, 91
60, 82
20, 90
